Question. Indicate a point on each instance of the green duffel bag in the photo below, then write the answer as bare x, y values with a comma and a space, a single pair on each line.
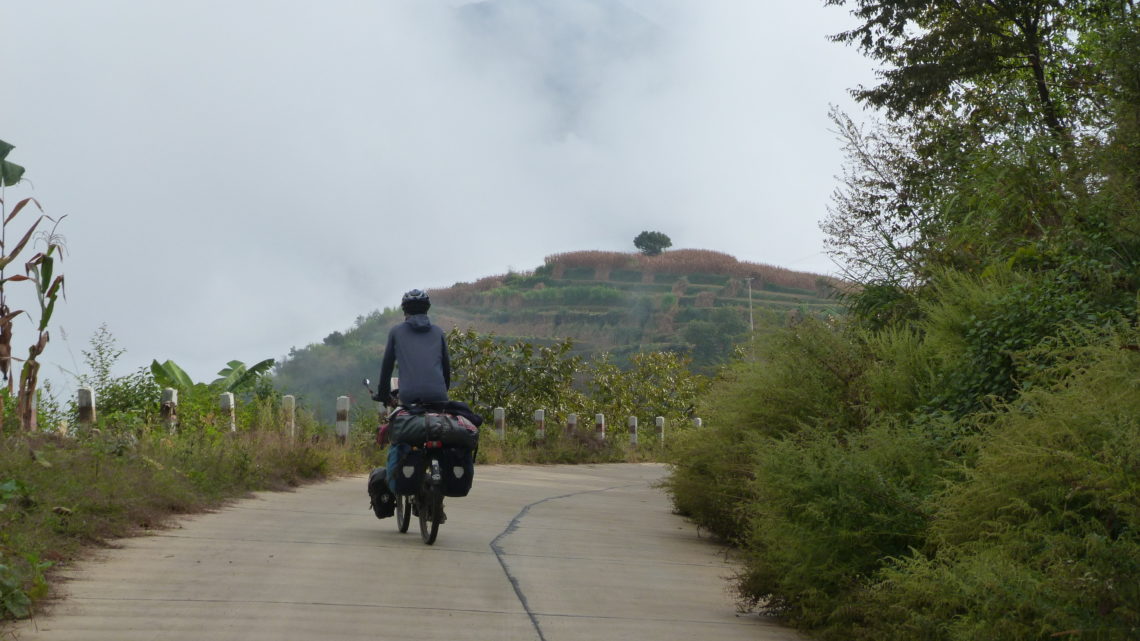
421, 427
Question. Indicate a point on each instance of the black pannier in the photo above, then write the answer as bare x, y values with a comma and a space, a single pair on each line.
457, 469
383, 501
409, 472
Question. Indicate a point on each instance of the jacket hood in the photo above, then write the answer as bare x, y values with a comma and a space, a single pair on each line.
419, 322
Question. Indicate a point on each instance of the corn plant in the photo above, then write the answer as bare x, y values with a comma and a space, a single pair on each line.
39, 271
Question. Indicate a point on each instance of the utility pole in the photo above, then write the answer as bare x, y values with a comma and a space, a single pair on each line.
751, 325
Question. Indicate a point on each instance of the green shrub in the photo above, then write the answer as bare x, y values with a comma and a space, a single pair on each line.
980, 327
795, 378
830, 509
1041, 538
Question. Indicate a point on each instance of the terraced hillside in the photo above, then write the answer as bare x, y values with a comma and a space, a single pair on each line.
692, 301
695, 301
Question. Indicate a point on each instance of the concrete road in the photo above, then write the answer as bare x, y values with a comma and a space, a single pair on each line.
555, 553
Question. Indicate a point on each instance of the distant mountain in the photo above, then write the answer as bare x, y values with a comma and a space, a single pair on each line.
697, 302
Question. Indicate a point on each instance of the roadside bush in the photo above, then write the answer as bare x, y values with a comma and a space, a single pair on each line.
978, 328
829, 510
805, 376
1040, 538
903, 376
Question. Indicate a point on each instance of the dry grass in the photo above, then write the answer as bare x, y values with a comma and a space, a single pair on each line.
594, 259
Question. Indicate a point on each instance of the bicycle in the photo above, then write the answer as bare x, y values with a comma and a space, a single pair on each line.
421, 468
426, 502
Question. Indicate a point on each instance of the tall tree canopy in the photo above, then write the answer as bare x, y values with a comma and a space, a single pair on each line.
1006, 122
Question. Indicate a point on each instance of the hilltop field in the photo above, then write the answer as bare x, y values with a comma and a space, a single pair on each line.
691, 301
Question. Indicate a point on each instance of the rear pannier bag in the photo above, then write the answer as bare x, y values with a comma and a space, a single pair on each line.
383, 501
408, 473
457, 469
416, 429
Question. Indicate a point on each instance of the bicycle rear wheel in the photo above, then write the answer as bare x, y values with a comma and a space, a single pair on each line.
403, 512
430, 507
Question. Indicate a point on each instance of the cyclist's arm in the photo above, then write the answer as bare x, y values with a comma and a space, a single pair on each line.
446, 365
387, 364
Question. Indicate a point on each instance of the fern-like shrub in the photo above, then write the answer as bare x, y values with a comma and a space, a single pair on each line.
1042, 537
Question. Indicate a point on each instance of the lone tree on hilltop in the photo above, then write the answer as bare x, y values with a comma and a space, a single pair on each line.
652, 243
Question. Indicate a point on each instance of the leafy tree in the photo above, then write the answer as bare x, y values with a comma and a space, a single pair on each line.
997, 63
520, 377
652, 243
655, 384
1001, 115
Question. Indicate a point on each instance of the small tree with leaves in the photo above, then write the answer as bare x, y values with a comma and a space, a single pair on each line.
652, 243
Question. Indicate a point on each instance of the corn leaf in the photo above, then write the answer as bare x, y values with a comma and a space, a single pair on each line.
19, 246
20, 205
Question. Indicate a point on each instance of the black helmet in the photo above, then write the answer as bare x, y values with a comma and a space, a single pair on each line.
415, 302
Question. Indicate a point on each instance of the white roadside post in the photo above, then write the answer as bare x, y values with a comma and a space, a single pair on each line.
342, 419
227, 403
572, 424
633, 431
600, 426
698, 423
539, 425
660, 420
169, 409
289, 406
86, 403
501, 422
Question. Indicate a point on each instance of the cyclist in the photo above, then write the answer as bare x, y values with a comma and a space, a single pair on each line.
420, 350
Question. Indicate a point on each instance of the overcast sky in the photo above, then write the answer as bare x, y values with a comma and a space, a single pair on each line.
244, 176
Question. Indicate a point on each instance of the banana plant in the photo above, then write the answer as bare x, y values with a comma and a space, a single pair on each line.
169, 374
236, 376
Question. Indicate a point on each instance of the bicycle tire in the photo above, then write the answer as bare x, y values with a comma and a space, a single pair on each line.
403, 513
431, 511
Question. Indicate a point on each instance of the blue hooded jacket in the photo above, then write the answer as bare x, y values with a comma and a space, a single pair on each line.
420, 349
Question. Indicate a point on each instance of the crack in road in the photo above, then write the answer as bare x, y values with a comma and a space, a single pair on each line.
513, 526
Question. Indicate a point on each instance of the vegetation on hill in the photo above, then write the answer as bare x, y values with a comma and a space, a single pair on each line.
697, 303
957, 457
